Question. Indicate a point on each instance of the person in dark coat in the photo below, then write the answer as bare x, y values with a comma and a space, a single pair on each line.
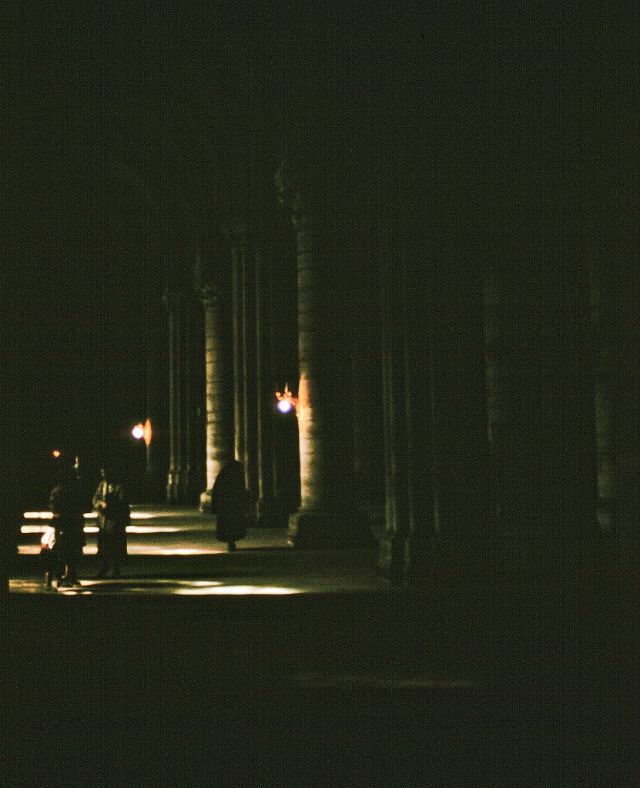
229, 503
67, 507
114, 514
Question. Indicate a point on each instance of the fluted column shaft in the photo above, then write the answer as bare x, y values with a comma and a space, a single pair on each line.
218, 392
327, 514
264, 391
249, 363
238, 352
394, 547
179, 416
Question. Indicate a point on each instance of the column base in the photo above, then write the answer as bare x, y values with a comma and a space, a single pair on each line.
204, 502
394, 557
172, 487
329, 530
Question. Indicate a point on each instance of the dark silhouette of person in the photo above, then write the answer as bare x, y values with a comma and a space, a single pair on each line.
66, 502
114, 514
229, 503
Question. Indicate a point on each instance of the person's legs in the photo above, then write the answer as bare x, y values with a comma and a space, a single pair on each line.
70, 577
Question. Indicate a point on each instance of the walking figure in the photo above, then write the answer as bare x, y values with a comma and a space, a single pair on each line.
229, 502
114, 514
66, 504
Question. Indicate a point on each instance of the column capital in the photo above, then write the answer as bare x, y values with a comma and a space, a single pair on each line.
303, 189
209, 294
172, 298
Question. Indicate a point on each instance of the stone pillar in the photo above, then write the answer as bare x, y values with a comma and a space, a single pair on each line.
179, 421
171, 300
460, 543
616, 325
394, 547
237, 321
283, 347
153, 481
218, 385
266, 510
540, 408
366, 372
327, 516
249, 363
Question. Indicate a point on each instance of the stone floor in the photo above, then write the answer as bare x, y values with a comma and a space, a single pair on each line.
279, 667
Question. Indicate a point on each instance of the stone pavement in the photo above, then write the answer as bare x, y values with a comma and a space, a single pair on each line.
279, 667
174, 551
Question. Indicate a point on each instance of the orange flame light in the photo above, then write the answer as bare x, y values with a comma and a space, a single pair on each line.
142, 431
286, 400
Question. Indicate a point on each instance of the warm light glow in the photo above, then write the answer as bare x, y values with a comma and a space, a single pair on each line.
48, 537
56, 453
147, 432
46, 516
236, 590
286, 400
138, 431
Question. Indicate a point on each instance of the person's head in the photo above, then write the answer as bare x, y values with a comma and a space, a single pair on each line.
234, 469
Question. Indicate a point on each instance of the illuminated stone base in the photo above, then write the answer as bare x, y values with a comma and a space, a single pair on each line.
329, 530
204, 504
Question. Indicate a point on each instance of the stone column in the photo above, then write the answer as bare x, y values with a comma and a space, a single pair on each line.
458, 414
179, 421
394, 547
266, 510
186, 404
249, 363
237, 321
327, 515
172, 301
540, 407
153, 481
218, 385
407, 362
616, 325
366, 370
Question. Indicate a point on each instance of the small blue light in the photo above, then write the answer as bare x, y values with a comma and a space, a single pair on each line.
284, 406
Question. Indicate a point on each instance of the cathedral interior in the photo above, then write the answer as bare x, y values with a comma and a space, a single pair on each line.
386, 256
423, 223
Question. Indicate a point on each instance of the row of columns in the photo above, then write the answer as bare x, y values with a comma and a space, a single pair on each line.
241, 361
496, 422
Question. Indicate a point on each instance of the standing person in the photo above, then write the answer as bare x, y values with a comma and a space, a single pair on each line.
229, 502
114, 514
66, 504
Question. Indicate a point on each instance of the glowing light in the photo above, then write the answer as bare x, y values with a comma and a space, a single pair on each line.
138, 431
48, 537
56, 453
286, 400
147, 432
33, 529
237, 590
